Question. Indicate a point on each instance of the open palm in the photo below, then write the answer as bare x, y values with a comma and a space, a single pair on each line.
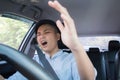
68, 31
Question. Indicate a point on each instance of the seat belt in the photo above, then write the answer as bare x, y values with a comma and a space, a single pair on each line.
45, 63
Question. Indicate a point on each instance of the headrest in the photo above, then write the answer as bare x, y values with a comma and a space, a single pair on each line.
94, 49
113, 45
61, 45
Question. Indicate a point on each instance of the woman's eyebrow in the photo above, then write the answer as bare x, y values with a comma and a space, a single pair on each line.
46, 30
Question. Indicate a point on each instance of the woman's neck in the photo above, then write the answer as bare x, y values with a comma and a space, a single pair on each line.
52, 52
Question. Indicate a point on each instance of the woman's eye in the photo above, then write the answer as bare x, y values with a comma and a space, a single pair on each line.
47, 32
38, 34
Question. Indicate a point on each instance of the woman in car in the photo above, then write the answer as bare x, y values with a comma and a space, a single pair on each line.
74, 66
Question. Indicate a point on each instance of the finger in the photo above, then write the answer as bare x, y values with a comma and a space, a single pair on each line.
60, 25
67, 21
56, 5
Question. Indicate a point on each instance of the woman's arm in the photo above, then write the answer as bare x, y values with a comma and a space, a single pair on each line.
70, 39
1, 77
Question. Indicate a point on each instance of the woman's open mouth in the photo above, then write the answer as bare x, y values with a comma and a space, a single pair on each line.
44, 43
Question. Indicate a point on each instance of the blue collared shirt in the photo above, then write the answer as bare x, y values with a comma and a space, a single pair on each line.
63, 63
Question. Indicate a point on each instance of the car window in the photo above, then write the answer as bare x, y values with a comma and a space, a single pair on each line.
98, 41
12, 31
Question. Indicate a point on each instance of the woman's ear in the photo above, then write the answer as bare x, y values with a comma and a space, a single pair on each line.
58, 36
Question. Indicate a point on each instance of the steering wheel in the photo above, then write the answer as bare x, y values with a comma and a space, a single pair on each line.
26, 66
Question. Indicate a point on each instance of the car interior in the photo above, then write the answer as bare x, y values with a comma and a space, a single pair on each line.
92, 19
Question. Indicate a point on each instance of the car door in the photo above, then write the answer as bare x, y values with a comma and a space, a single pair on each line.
14, 32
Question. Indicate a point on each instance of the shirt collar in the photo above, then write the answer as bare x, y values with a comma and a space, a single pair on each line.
55, 55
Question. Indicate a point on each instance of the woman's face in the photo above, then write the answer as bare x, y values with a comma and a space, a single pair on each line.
47, 38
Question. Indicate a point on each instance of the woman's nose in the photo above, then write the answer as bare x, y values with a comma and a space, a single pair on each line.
41, 36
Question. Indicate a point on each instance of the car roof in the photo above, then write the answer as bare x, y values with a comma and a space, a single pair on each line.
92, 18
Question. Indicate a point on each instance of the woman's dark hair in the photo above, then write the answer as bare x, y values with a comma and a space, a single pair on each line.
46, 21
